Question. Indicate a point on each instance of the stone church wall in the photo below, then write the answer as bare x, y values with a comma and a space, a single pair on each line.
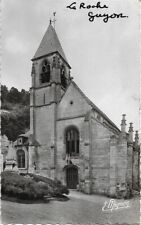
81, 161
43, 158
71, 112
100, 150
45, 95
113, 165
44, 132
122, 160
130, 164
72, 104
136, 165
45, 122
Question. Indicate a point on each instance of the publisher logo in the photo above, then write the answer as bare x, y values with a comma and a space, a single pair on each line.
114, 205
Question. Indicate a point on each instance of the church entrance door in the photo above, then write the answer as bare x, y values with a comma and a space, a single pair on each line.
72, 177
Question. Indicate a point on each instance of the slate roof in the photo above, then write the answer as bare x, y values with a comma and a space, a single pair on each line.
30, 138
27, 134
50, 44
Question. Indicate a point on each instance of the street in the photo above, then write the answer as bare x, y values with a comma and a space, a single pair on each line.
80, 209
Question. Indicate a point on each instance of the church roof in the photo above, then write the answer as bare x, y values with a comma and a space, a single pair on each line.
27, 134
30, 138
50, 44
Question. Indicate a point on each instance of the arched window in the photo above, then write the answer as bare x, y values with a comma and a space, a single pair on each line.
21, 158
45, 72
72, 141
63, 78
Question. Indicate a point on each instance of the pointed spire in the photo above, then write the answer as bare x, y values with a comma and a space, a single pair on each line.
136, 138
130, 138
50, 44
123, 123
131, 127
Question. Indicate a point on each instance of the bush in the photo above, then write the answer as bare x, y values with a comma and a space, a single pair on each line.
31, 187
15, 185
55, 187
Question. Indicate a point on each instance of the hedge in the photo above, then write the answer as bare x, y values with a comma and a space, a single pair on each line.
31, 187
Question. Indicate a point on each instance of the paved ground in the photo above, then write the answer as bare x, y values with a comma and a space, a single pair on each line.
80, 209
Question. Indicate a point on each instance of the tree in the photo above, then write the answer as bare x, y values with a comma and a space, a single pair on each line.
25, 97
14, 96
17, 118
4, 93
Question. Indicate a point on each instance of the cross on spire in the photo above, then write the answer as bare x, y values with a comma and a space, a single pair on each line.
54, 20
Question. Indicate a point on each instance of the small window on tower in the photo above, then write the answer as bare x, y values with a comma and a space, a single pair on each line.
63, 77
45, 72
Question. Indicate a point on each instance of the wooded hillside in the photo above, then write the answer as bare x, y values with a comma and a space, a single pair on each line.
15, 116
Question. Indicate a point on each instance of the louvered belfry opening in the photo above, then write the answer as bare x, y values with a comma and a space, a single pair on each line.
63, 78
45, 72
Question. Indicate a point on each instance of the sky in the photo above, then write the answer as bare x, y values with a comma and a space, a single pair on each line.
104, 57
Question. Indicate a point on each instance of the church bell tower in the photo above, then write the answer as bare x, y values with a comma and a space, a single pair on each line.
50, 78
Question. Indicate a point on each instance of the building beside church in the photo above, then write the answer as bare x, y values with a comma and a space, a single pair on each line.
70, 138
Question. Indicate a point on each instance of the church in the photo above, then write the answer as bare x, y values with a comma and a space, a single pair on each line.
70, 138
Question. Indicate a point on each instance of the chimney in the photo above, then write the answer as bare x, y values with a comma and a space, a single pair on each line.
130, 138
123, 124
